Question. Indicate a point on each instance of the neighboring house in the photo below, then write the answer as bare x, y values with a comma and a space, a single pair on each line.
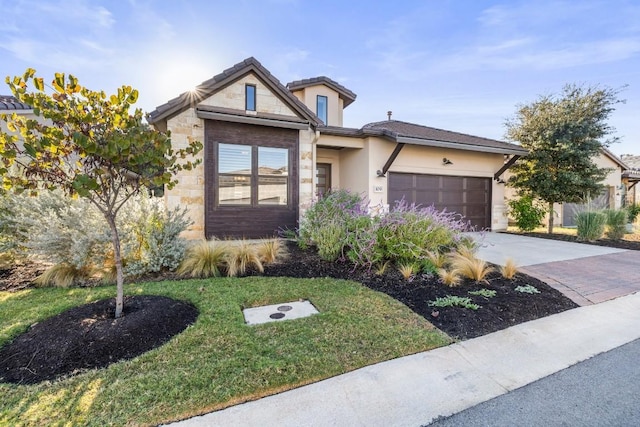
617, 191
631, 176
269, 149
9, 105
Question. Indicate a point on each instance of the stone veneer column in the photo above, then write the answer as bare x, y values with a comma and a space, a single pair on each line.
189, 191
306, 190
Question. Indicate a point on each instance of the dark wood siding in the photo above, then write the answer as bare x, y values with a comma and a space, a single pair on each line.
248, 221
468, 196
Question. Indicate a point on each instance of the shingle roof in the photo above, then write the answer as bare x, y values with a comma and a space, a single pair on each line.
208, 87
402, 130
347, 96
615, 158
633, 162
8, 102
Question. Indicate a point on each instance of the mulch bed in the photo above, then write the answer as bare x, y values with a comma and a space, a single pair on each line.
620, 244
509, 307
89, 337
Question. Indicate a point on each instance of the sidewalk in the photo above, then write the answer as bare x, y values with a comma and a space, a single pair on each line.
413, 390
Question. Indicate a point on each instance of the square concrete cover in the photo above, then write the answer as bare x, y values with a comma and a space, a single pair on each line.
278, 312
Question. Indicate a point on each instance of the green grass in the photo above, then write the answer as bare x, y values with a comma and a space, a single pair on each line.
218, 361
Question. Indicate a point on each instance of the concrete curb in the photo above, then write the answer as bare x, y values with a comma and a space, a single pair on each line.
413, 390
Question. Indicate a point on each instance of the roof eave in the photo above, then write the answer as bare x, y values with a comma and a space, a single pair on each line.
462, 146
208, 87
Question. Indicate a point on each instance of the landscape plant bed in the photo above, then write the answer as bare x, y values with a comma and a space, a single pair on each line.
217, 361
508, 307
88, 337
630, 242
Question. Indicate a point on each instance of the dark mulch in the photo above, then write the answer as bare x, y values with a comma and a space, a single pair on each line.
89, 337
509, 307
620, 244
20, 276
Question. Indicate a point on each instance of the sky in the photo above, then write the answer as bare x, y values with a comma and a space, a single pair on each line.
462, 65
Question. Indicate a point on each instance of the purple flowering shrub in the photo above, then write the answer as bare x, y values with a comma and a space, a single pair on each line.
339, 225
409, 232
328, 223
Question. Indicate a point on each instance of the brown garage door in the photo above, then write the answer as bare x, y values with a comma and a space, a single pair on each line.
468, 196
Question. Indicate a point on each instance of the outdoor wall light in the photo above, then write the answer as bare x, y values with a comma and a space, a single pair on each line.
446, 161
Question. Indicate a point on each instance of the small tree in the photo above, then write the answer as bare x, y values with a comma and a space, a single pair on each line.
563, 135
88, 145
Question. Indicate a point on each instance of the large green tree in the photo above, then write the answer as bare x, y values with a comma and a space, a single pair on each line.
564, 134
89, 145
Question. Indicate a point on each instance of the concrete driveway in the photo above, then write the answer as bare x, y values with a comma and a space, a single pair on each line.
587, 274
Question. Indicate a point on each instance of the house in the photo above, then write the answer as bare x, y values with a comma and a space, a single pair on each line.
9, 105
269, 149
618, 191
631, 176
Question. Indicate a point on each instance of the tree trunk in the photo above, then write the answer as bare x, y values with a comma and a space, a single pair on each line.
550, 228
118, 259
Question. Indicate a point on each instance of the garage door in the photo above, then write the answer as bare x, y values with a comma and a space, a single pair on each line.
468, 196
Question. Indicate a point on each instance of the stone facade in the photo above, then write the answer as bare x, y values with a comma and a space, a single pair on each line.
233, 97
189, 191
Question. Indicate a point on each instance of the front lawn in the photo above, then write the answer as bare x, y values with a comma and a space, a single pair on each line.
218, 361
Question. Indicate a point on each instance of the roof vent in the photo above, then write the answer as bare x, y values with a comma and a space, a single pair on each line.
389, 113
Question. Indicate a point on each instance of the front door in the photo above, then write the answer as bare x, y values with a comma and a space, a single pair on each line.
323, 178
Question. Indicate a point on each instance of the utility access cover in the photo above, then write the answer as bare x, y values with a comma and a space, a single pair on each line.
278, 312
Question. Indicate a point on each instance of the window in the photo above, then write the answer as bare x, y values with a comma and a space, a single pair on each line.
234, 179
253, 175
321, 108
250, 97
272, 175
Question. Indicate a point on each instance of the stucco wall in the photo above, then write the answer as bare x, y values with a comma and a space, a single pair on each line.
613, 179
308, 96
331, 157
354, 170
428, 160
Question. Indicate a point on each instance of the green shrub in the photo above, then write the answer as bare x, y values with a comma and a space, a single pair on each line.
527, 289
64, 231
330, 240
487, 293
616, 223
454, 301
632, 212
152, 241
339, 225
409, 233
329, 221
526, 212
590, 225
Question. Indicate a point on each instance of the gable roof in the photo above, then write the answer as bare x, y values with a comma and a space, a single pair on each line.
632, 161
345, 94
412, 133
228, 76
617, 160
9, 102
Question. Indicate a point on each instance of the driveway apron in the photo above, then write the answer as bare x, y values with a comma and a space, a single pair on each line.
587, 274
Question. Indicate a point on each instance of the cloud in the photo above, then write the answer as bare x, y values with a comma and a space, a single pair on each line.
540, 56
